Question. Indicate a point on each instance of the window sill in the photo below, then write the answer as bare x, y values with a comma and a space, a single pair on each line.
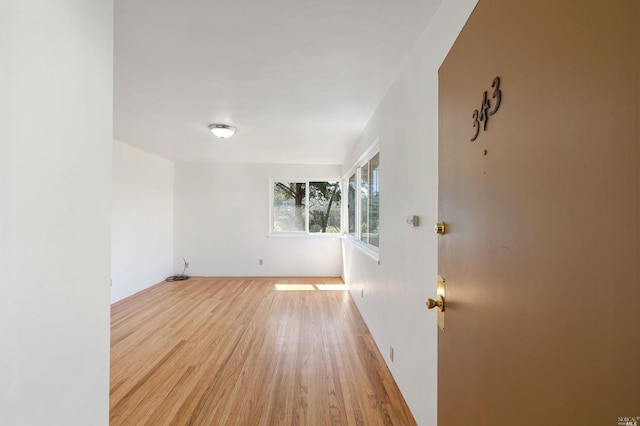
302, 234
365, 248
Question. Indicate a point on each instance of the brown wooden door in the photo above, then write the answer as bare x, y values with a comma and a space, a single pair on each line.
541, 256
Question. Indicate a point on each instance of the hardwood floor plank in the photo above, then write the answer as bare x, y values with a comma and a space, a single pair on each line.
236, 351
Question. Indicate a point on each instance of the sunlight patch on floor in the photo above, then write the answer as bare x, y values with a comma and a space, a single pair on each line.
291, 287
311, 287
334, 287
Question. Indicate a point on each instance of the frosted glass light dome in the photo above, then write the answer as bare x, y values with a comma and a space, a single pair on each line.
222, 130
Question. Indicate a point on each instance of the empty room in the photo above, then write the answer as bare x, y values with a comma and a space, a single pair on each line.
308, 213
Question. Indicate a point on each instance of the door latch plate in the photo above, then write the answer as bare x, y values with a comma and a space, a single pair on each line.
441, 296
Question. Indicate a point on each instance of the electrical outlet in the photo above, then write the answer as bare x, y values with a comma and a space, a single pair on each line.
260, 262
391, 353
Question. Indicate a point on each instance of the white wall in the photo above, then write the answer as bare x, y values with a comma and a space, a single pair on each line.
142, 221
55, 207
222, 223
406, 123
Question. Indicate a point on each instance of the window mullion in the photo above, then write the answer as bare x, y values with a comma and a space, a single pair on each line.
307, 206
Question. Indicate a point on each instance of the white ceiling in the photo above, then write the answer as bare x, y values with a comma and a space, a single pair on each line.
299, 78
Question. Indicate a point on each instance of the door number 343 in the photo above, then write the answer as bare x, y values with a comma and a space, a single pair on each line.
481, 116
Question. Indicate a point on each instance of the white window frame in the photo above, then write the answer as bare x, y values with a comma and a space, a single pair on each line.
304, 233
365, 158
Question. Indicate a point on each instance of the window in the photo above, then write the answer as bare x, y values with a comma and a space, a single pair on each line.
373, 221
306, 207
352, 205
289, 200
363, 210
324, 207
364, 203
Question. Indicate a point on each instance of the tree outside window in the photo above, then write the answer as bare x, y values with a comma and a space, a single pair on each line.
374, 201
324, 207
289, 200
363, 210
351, 209
312, 207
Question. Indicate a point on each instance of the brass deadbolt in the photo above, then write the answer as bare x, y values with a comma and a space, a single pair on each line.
440, 228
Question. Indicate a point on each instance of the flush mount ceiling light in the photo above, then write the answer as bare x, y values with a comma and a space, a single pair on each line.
222, 130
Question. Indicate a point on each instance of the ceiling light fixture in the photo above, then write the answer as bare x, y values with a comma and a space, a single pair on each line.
222, 130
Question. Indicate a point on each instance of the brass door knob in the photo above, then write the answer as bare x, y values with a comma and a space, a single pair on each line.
439, 228
433, 303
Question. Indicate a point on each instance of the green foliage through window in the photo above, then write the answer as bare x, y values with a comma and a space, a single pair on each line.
313, 207
324, 207
363, 210
289, 200
351, 209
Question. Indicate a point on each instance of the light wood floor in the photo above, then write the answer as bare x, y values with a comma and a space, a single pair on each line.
236, 351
